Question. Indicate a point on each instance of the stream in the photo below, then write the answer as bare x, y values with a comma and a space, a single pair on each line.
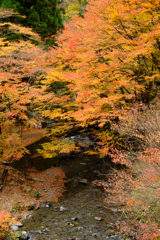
82, 211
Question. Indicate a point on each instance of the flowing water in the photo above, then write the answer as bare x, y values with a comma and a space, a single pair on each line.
82, 212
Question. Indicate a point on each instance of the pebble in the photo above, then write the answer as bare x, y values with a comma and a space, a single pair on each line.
79, 228
62, 209
57, 224
114, 210
83, 181
4, 162
98, 218
26, 216
19, 224
74, 219
47, 203
38, 231
95, 235
41, 231
70, 224
37, 180
25, 235
89, 231
113, 237
49, 172
14, 227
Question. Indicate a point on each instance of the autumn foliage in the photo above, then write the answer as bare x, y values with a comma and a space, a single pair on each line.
137, 186
110, 62
5, 220
109, 59
21, 88
49, 183
104, 76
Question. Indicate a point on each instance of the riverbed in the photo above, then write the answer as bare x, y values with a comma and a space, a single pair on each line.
82, 212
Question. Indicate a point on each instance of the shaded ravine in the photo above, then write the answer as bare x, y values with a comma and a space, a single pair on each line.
81, 213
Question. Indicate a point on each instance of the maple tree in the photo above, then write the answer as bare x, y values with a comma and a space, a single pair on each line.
22, 91
110, 59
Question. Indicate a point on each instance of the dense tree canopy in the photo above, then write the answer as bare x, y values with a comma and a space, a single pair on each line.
44, 17
106, 61
110, 60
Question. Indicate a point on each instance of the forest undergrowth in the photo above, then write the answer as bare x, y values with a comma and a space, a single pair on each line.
137, 186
